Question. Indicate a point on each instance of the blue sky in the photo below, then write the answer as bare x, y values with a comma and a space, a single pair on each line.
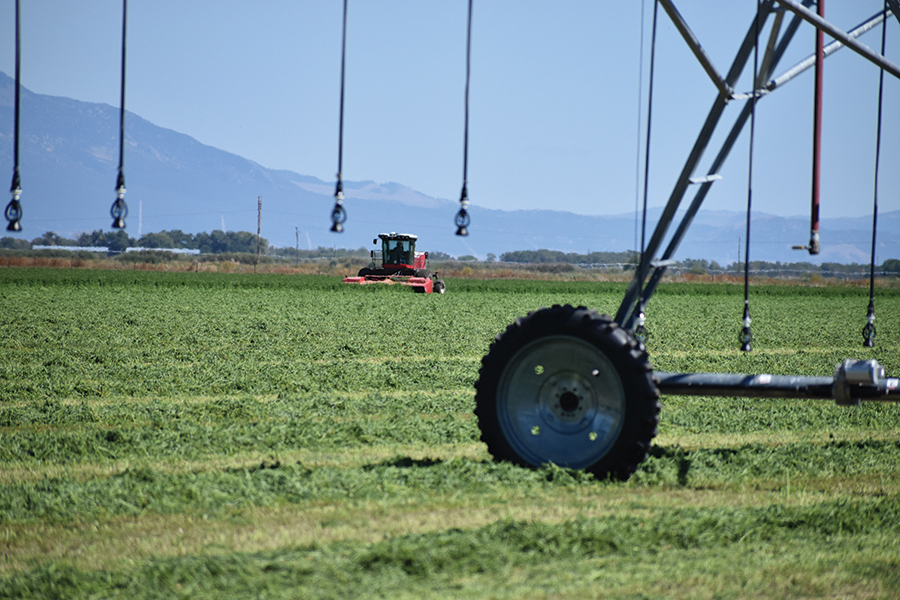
554, 106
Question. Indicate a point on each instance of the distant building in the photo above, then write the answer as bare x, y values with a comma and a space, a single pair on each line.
100, 249
172, 250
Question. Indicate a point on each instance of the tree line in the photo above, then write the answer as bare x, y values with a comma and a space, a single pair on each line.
629, 257
629, 260
217, 242
222, 242
890, 266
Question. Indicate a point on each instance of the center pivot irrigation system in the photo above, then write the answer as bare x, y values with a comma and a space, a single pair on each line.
573, 387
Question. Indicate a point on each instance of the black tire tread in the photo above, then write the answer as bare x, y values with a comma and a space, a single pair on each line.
623, 349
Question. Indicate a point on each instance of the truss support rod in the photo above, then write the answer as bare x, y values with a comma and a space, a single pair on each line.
727, 146
624, 315
766, 66
691, 212
724, 89
823, 25
853, 381
833, 46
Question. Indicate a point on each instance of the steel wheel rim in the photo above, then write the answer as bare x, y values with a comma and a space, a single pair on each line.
561, 400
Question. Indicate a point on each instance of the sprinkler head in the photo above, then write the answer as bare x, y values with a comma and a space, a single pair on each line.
869, 332
14, 211
640, 331
462, 222
462, 217
119, 210
746, 336
338, 215
14, 225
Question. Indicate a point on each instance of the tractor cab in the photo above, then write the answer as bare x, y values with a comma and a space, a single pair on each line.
398, 249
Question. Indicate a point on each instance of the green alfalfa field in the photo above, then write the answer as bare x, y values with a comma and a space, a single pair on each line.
200, 435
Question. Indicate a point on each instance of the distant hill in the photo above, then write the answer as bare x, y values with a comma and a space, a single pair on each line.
69, 155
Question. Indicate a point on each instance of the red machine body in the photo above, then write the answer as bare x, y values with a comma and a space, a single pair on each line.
399, 262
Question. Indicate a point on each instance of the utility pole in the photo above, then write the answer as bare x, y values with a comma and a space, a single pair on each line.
258, 230
297, 233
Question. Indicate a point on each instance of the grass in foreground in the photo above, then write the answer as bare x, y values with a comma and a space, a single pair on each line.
166, 435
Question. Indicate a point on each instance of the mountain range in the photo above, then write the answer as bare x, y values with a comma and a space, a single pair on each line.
68, 164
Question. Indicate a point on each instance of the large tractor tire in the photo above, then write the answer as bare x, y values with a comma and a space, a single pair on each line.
568, 386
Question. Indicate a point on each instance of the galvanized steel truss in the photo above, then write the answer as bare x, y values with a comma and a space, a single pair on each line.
654, 265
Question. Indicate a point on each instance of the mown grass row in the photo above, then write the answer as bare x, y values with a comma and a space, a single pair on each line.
139, 490
168, 435
47, 432
509, 558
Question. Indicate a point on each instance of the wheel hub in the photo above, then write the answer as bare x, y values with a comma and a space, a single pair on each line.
565, 400
561, 400
569, 403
